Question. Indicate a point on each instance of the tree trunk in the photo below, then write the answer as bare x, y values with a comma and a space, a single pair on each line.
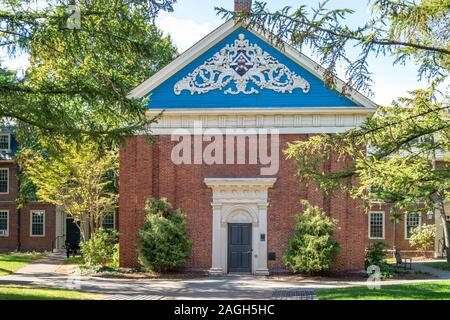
394, 240
446, 237
445, 228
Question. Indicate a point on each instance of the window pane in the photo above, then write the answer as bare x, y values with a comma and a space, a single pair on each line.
4, 142
37, 223
376, 225
4, 180
108, 221
3, 220
412, 221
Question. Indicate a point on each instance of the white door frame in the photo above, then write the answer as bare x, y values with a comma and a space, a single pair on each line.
239, 200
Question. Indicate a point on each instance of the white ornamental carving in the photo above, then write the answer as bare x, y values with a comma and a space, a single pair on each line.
241, 63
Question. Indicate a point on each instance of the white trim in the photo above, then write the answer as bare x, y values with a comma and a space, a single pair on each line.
384, 225
31, 224
317, 70
114, 220
6, 235
406, 223
218, 35
9, 141
184, 59
7, 182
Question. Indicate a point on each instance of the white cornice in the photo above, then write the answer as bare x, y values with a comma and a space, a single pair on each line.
240, 183
313, 121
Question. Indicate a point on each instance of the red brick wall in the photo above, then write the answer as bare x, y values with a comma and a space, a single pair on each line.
13, 182
242, 5
9, 242
147, 170
401, 243
8, 202
29, 242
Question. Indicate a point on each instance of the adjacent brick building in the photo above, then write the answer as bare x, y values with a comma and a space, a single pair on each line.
33, 226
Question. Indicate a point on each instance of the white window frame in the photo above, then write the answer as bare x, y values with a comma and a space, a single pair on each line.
9, 141
406, 223
384, 225
31, 224
7, 223
7, 180
114, 221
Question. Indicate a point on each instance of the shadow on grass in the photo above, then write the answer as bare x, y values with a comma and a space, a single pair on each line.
18, 296
5, 272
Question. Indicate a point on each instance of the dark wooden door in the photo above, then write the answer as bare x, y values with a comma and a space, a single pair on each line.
72, 233
240, 247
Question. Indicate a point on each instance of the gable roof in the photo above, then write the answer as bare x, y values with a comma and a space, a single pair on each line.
220, 34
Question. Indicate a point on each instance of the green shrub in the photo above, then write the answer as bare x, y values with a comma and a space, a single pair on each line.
423, 237
376, 256
311, 249
101, 250
163, 241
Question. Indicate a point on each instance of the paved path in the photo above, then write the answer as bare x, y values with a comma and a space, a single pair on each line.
42, 273
439, 274
43, 267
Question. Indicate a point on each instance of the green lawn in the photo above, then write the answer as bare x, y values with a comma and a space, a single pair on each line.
436, 290
73, 260
9, 263
12, 292
438, 265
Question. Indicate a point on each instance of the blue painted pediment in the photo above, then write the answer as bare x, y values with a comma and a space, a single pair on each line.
243, 71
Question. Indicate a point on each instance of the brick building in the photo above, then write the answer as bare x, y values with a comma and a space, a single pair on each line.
240, 206
33, 226
231, 105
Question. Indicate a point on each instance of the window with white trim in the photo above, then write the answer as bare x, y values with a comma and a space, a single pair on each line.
37, 223
4, 180
5, 141
4, 223
376, 225
412, 221
109, 221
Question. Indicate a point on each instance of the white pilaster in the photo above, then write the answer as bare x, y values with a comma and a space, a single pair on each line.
217, 263
261, 268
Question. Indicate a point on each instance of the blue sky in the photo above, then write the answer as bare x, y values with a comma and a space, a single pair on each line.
193, 19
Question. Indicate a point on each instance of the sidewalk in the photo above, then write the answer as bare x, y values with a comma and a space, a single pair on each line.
43, 267
44, 273
439, 274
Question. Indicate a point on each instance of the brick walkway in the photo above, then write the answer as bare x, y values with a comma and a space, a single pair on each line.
294, 295
132, 297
